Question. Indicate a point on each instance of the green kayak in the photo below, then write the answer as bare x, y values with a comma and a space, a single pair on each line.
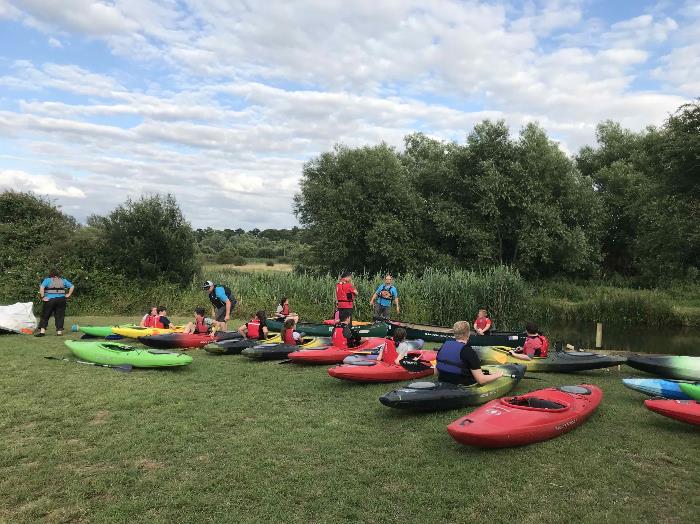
98, 331
378, 329
117, 354
692, 390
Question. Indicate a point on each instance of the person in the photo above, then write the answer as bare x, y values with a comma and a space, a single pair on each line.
384, 295
149, 319
342, 335
255, 328
54, 291
222, 302
283, 312
482, 324
458, 363
288, 334
202, 324
536, 345
402, 347
162, 321
345, 294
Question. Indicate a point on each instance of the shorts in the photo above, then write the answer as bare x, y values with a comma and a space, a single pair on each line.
220, 314
344, 310
382, 311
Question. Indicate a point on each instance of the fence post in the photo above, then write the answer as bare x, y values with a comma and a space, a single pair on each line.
599, 335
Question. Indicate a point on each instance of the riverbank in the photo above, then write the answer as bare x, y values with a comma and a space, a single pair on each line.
232, 439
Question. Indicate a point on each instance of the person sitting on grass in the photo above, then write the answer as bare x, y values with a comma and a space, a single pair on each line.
256, 327
283, 312
162, 321
536, 345
402, 347
289, 336
458, 363
149, 319
342, 335
482, 324
202, 325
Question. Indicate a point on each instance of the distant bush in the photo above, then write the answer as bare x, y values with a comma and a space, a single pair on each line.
238, 261
270, 263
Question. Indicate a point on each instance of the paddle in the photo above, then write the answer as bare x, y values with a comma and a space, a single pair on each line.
124, 368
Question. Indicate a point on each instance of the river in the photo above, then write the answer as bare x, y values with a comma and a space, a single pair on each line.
638, 339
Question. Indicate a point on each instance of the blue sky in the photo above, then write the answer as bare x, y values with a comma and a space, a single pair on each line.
220, 103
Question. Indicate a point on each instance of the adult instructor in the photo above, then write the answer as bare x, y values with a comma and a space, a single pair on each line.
54, 290
222, 302
385, 294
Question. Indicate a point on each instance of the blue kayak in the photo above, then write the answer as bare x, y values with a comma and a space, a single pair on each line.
656, 387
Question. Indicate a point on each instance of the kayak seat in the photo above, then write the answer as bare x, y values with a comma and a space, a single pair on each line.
161, 352
423, 385
533, 402
575, 390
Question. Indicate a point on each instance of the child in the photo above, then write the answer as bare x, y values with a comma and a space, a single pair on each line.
255, 328
482, 324
201, 325
162, 321
283, 312
289, 336
345, 294
535, 346
458, 363
342, 335
149, 319
402, 347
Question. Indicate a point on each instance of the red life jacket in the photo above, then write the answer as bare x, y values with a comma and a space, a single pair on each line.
540, 352
254, 330
288, 337
157, 323
389, 353
149, 321
338, 340
482, 322
285, 310
201, 327
344, 295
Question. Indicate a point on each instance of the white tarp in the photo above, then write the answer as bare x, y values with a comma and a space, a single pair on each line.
17, 317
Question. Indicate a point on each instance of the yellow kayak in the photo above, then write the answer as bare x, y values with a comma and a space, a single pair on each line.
136, 332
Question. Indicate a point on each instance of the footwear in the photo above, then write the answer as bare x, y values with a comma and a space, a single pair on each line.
59, 333
39, 334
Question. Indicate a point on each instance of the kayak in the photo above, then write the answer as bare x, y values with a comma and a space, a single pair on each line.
235, 346
377, 329
556, 361
683, 410
371, 370
655, 387
280, 351
333, 322
98, 331
437, 396
138, 331
525, 419
680, 368
441, 334
692, 390
187, 340
335, 354
117, 354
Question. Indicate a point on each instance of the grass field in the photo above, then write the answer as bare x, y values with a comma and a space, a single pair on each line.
230, 439
253, 267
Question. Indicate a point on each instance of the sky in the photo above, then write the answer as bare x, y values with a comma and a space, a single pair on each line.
220, 102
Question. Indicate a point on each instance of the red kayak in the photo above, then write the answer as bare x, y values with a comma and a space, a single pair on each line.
186, 340
683, 410
366, 370
334, 354
533, 417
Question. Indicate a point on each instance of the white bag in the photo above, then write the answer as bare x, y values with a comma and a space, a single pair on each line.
17, 317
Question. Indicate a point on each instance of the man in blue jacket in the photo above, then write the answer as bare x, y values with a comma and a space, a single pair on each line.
222, 302
54, 291
385, 294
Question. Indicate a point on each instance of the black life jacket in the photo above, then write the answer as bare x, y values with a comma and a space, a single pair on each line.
56, 286
216, 301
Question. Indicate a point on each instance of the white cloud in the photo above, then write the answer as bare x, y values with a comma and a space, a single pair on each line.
41, 184
55, 43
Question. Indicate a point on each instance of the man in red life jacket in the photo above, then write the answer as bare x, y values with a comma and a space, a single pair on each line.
201, 325
345, 294
536, 345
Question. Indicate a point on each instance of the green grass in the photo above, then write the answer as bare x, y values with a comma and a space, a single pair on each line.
230, 439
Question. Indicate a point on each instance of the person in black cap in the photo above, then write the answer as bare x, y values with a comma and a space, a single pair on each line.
222, 301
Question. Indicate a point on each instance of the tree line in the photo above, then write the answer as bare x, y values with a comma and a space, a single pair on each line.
625, 206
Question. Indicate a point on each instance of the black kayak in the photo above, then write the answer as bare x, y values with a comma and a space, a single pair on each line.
441, 334
676, 367
279, 351
555, 362
440, 396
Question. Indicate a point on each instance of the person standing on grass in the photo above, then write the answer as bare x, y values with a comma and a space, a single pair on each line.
345, 294
384, 295
222, 302
458, 363
54, 292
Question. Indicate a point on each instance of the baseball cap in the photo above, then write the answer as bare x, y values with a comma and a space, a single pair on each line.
207, 284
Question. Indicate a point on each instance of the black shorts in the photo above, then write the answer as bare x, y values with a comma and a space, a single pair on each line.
220, 315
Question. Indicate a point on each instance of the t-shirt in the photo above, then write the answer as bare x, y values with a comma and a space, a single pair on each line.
220, 293
165, 321
471, 361
385, 302
403, 349
47, 282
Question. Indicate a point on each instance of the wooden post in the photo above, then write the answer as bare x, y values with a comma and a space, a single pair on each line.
599, 335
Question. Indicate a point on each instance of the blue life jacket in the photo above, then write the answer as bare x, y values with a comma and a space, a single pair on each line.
449, 359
